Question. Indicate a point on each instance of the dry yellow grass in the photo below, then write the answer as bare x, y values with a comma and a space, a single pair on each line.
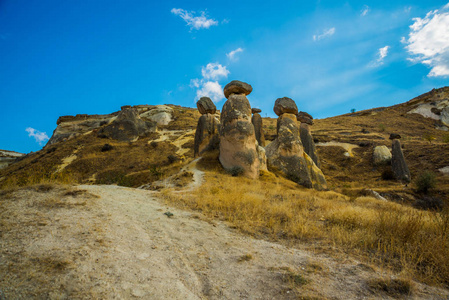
411, 242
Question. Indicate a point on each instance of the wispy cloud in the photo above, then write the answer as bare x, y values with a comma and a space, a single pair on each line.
232, 55
383, 52
40, 137
208, 86
428, 41
365, 11
327, 33
194, 22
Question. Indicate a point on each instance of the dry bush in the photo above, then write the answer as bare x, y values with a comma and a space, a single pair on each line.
392, 287
385, 233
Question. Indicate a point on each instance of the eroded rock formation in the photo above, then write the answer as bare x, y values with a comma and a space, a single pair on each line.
128, 126
286, 153
258, 126
206, 135
239, 151
306, 136
398, 164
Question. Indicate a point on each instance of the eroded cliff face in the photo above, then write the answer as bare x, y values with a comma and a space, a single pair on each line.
8, 157
72, 126
434, 105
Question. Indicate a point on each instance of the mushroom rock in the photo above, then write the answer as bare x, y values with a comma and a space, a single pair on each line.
286, 153
238, 144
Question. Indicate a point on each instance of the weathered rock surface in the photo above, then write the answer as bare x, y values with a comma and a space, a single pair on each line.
433, 105
72, 126
256, 110
304, 117
206, 136
237, 87
206, 106
8, 157
159, 114
308, 143
128, 126
398, 163
238, 145
285, 105
286, 155
381, 156
258, 128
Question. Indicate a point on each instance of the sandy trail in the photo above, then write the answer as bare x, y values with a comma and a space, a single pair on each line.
122, 245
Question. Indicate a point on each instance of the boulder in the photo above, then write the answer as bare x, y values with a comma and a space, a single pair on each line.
206, 106
304, 117
128, 126
258, 128
381, 156
238, 145
398, 163
206, 135
308, 143
160, 114
256, 110
285, 105
287, 156
237, 87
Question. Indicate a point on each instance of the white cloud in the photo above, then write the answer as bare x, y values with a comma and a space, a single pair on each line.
211, 89
194, 22
326, 33
428, 41
208, 86
383, 52
365, 11
40, 137
232, 55
214, 71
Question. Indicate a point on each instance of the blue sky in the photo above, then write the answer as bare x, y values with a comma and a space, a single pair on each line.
73, 57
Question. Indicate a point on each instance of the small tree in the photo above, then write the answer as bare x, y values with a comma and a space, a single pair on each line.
425, 181
352, 110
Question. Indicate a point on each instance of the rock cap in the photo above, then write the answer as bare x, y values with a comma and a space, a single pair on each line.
394, 136
237, 87
285, 105
256, 110
304, 117
206, 106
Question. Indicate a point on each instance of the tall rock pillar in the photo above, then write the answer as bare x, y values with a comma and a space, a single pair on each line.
238, 146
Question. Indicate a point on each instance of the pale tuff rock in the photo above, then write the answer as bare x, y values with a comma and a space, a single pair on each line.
286, 155
398, 163
433, 105
160, 114
381, 156
238, 145
8, 157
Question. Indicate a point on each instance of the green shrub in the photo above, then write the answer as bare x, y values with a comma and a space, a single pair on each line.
425, 181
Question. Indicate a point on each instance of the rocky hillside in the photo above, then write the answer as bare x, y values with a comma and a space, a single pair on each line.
143, 144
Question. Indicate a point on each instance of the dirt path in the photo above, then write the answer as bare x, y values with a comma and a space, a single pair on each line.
123, 245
